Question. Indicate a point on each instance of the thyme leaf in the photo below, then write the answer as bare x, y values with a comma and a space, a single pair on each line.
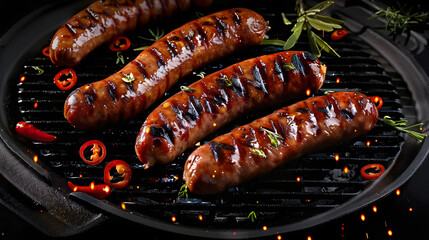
401, 125
252, 216
187, 89
38, 69
259, 152
183, 191
128, 78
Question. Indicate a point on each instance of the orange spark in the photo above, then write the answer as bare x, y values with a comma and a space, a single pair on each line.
374, 208
308, 92
362, 217
368, 143
173, 219
298, 179
398, 192
389, 232
35, 158
346, 169
338, 80
35, 105
22, 79
264, 228
337, 157
123, 206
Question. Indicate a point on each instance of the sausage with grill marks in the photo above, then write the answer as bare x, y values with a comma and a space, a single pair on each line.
101, 22
256, 148
212, 102
157, 68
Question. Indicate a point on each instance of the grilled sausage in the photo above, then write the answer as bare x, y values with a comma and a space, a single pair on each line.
189, 116
298, 129
157, 68
101, 22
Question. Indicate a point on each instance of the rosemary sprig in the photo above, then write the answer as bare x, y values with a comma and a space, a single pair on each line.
308, 19
400, 125
120, 58
155, 37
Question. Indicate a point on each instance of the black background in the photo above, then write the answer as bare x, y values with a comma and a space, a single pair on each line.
393, 213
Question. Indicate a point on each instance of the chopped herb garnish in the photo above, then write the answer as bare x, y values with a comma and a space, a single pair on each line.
120, 58
259, 152
187, 89
38, 69
288, 66
183, 192
155, 37
252, 216
128, 78
400, 125
227, 82
308, 19
200, 74
274, 137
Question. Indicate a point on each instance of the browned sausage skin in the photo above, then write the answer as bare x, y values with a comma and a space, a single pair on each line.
187, 117
304, 127
103, 20
157, 68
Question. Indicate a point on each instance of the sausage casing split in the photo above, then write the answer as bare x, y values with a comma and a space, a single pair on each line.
157, 68
101, 22
187, 117
301, 128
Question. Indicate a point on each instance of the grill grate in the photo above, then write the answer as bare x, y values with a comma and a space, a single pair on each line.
303, 188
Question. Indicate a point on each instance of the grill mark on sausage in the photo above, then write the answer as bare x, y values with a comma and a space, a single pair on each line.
259, 71
187, 40
195, 108
90, 95
296, 61
236, 18
347, 114
141, 68
92, 14
159, 58
208, 106
111, 88
278, 70
201, 33
171, 48
238, 87
217, 149
70, 28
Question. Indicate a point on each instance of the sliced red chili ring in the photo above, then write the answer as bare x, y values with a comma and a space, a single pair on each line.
120, 44
45, 51
117, 174
338, 34
93, 148
372, 171
65, 79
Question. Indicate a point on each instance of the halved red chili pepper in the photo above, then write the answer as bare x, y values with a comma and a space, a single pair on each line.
372, 171
120, 44
96, 148
31, 132
117, 174
45, 51
65, 79
99, 191
338, 34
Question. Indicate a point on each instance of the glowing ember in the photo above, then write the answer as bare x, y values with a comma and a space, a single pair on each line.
214, 124
374, 209
74, 189
35, 158
92, 185
106, 189
368, 143
309, 238
298, 179
362, 217
398, 192
346, 169
200, 217
173, 219
308, 92
410, 209
35, 105
264, 228
279, 237
389, 232
337, 157
337, 80
123, 206
22, 79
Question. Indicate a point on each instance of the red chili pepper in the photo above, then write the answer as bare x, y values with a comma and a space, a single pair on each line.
31, 132
65, 79
338, 34
120, 44
378, 100
45, 51
372, 171
117, 174
99, 191
95, 157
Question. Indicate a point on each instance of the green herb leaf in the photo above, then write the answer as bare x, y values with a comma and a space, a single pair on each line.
183, 192
285, 20
275, 42
274, 137
252, 216
187, 89
327, 19
324, 46
259, 152
227, 82
288, 66
129, 78
140, 48
120, 58
155, 35
313, 44
297, 29
200, 74
38, 69
400, 125
319, 7
322, 26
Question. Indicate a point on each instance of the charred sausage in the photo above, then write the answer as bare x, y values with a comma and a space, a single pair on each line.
268, 142
210, 103
122, 96
102, 21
